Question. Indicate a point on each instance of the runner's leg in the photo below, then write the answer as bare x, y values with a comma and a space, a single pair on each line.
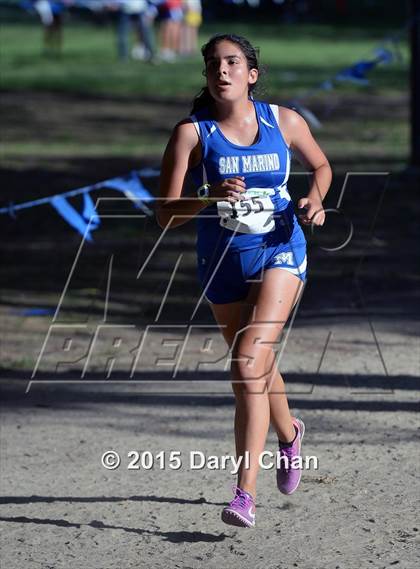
250, 328
280, 288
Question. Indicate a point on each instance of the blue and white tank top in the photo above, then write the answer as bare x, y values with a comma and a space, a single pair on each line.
265, 166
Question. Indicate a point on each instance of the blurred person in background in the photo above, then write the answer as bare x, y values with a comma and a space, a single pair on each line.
144, 49
51, 15
191, 25
140, 14
171, 17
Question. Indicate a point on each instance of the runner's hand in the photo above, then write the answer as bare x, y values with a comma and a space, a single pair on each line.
230, 190
314, 212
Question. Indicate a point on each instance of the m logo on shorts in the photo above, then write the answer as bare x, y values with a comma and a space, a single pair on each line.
284, 259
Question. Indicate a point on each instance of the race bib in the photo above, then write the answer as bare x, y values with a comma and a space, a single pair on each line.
251, 215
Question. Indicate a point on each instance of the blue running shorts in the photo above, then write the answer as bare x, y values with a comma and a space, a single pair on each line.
227, 276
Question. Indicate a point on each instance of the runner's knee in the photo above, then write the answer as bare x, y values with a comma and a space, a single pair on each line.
248, 368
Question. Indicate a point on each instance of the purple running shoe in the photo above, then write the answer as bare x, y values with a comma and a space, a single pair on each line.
288, 478
241, 511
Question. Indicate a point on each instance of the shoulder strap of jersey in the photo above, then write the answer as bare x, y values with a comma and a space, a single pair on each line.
194, 120
275, 111
196, 125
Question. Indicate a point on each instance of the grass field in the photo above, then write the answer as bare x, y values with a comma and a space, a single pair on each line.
87, 103
297, 57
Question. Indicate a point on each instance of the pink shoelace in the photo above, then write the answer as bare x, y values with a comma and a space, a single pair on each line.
241, 498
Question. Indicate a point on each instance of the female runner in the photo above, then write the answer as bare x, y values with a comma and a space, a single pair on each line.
251, 249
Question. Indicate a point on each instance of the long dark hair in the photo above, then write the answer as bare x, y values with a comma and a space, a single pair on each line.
204, 99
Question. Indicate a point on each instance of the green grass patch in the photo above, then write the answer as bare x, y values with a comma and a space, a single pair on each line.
87, 103
297, 57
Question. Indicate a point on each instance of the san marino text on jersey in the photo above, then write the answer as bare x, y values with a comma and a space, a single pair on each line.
249, 163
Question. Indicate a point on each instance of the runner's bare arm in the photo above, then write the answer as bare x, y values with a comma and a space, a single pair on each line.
308, 152
179, 156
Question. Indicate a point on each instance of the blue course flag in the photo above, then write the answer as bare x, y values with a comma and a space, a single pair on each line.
72, 216
89, 211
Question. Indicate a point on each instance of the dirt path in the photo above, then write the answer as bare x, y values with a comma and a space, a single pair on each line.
61, 508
